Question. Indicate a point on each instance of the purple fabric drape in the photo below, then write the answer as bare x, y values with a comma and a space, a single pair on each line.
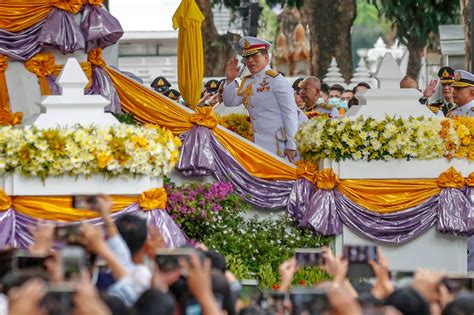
99, 27
55, 89
21, 45
322, 213
196, 157
14, 226
61, 32
299, 200
103, 85
259, 192
454, 212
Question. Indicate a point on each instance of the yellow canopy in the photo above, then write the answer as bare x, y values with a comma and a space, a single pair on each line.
188, 18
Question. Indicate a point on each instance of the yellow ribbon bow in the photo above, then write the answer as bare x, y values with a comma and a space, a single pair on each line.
327, 179
154, 198
5, 201
204, 116
95, 2
470, 180
95, 57
73, 6
306, 169
451, 179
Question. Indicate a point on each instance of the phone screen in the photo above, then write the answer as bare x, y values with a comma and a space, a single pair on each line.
59, 300
359, 257
249, 293
168, 259
309, 257
273, 302
309, 303
85, 202
69, 234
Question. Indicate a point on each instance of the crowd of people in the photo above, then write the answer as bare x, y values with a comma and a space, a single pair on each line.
122, 267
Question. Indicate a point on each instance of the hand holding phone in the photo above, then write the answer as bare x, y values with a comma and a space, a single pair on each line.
69, 234
358, 257
168, 259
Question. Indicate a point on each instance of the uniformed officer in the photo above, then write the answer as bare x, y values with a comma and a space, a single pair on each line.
173, 94
212, 86
268, 97
446, 104
463, 94
297, 84
160, 84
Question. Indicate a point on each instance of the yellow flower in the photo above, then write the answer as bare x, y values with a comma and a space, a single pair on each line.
103, 159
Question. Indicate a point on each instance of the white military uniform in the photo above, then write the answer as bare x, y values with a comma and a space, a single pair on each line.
463, 79
269, 99
465, 110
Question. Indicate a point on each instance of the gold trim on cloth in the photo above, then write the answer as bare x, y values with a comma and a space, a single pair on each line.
6, 116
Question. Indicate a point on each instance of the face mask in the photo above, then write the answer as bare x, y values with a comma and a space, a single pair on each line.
320, 100
334, 101
344, 104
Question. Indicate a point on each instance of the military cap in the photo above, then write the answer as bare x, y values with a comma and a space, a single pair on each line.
297, 84
446, 75
252, 45
173, 94
462, 79
212, 86
160, 84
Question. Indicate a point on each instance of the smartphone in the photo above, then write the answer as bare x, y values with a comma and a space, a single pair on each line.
167, 259
309, 301
69, 234
359, 257
59, 299
273, 302
458, 284
85, 202
249, 293
309, 257
74, 260
24, 260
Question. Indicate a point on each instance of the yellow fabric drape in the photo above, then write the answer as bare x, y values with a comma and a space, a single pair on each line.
204, 116
18, 15
451, 179
307, 170
153, 198
188, 18
327, 179
386, 195
6, 116
470, 180
150, 107
5, 201
59, 208
86, 67
43, 66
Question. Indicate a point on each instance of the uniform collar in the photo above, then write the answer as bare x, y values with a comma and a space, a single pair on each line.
261, 73
466, 105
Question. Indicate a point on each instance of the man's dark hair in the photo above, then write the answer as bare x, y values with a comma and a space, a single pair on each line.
17, 279
154, 302
115, 305
408, 301
462, 305
325, 88
337, 87
217, 260
133, 230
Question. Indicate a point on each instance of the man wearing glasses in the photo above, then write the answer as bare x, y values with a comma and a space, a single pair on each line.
463, 94
268, 97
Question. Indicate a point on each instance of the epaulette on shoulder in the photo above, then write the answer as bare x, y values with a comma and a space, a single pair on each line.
272, 73
434, 109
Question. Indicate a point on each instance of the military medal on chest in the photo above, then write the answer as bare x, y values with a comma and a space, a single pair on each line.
264, 86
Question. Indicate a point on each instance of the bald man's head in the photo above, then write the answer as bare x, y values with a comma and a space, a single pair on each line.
409, 83
310, 89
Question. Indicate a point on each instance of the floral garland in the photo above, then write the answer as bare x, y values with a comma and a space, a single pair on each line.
111, 151
238, 123
391, 138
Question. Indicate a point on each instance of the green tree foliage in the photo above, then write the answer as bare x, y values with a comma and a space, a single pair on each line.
415, 21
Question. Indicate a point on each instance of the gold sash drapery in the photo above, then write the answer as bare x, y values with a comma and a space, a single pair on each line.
42, 65
18, 15
6, 116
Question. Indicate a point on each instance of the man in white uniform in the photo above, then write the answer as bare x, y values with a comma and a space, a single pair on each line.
463, 94
268, 97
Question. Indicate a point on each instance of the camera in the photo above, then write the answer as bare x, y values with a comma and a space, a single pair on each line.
358, 257
59, 299
168, 259
309, 257
85, 202
309, 301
